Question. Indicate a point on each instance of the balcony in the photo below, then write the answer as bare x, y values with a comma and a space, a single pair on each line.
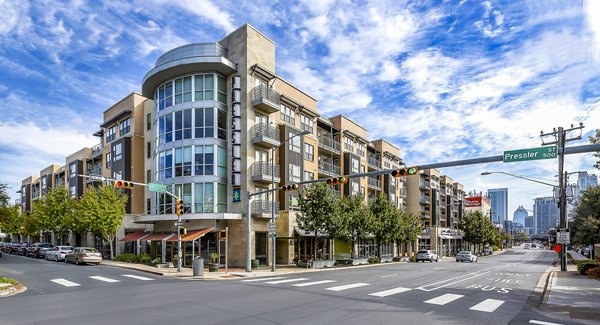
424, 199
266, 99
261, 172
424, 185
329, 169
329, 145
264, 135
374, 183
259, 207
374, 163
403, 193
97, 151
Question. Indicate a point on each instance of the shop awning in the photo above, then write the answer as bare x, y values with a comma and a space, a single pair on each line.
304, 233
157, 237
193, 234
135, 236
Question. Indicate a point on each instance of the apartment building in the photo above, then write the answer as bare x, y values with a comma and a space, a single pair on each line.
214, 122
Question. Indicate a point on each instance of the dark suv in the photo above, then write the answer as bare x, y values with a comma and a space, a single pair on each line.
38, 249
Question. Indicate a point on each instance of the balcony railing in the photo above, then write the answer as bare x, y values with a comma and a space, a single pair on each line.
330, 144
266, 99
261, 172
96, 170
261, 206
373, 162
329, 168
97, 150
424, 199
374, 183
265, 135
424, 184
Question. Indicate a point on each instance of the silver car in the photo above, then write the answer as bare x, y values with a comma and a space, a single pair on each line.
81, 255
58, 253
466, 256
426, 255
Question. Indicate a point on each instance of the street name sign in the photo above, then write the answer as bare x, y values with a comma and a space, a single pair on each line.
177, 224
530, 154
157, 187
563, 236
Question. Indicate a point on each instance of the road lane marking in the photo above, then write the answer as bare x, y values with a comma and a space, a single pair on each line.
65, 283
101, 278
389, 292
143, 278
286, 281
488, 305
306, 284
533, 321
387, 276
443, 299
347, 286
436, 285
264, 279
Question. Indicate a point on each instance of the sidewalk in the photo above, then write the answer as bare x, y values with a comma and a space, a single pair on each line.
572, 293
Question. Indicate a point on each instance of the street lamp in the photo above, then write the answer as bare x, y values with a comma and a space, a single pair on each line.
519, 176
273, 237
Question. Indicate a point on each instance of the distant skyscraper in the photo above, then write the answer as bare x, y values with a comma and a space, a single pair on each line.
530, 225
499, 198
520, 215
546, 214
584, 180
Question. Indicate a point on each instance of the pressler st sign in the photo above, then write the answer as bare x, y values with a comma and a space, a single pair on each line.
530, 154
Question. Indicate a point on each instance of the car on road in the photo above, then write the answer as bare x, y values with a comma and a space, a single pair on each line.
11, 248
426, 255
38, 249
466, 256
22, 250
58, 253
81, 255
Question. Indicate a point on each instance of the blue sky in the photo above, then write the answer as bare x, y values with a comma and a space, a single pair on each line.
453, 79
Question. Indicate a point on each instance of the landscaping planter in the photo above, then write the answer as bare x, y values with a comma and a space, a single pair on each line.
354, 261
213, 267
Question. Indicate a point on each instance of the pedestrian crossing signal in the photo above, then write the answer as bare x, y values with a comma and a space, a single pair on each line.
337, 181
407, 171
182, 231
123, 184
291, 187
179, 207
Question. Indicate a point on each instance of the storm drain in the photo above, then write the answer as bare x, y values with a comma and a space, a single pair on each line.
584, 315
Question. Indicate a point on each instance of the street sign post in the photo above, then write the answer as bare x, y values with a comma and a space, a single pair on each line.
153, 187
563, 236
530, 154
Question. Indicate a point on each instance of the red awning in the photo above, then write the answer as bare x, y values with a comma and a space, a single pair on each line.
157, 237
193, 234
134, 236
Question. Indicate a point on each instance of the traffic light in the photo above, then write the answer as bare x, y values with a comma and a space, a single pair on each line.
182, 231
406, 171
123, 184
179, 207
337, 180
290, 187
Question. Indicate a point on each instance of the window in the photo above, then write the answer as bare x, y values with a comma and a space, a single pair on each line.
73, 170
294, 143
73, 190
204, 160
221, 198
148, 206
308, 176
355, 166
294, 173
108, 160
149, 149
222, 162
348, 144
306, 123
221, 124
183, 90
360, 149
125, 127
111, 134
148, 176
204, 198
183, 161
169, 94
148, 121
309, 152
205, 123
117, 152
222, 90
355, 188
288, 115
204, 87
183, 124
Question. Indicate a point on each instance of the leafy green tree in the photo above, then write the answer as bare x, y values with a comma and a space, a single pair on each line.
386, 223
357, 220
477, 228
410, 228
319, 212
10, 219
51, 210
586, 223
104, 209
4, 197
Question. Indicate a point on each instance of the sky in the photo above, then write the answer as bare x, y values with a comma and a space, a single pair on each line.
442, 80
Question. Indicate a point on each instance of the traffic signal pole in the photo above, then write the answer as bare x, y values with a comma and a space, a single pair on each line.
178, 232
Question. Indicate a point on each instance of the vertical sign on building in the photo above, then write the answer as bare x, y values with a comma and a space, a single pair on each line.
236, 131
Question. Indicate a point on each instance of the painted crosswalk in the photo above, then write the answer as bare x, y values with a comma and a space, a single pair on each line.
307, 284
347, 286
137, 277
286, 281
101, 278
443, 299
389, 292
488, 305
68, 283
65, 282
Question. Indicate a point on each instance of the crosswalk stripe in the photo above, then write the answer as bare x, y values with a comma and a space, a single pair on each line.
488, 305
306, 284
264, 279
101, 278
143, 278
389, 292
443, 299
347, 286
65, 283
286, 281
533, 321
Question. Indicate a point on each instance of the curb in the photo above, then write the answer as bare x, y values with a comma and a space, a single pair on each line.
540, 293
12, 290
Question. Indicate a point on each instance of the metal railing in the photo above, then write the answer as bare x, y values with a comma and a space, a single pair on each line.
261, 206
265, 92
263, 169
97, 150
329, 168
424, 199
329, 143
374, 162
424, 184
374, 182
95, 171
265, 130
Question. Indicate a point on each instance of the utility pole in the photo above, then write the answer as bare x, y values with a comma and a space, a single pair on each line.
560, 139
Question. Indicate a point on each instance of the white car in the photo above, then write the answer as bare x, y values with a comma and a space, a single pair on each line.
57, 253
426, 255
466, 256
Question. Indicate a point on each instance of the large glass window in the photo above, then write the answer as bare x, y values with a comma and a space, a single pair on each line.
183, 161
309, 152
168, 94
221, 124
125, 127
294, 173
117, 152
168, 128
204, 198
348, 144
360, 149
222, 162
204, 160
288, 115
108, 160
306, 123
183, 124
294, 142
205, 123
221, 198
204, 87
222, 90
111, 134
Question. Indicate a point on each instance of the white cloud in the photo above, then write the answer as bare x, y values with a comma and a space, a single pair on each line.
430, 73
13, 16
492, 22
592, 18
206, 9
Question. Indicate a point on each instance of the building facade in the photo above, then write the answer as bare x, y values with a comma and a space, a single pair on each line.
546, 214
499, 201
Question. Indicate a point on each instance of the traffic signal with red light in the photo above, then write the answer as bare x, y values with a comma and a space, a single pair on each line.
337, 181
179, 207
406, 171
123, 184
291, 187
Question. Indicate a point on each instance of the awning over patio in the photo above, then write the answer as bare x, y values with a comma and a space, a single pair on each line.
158, 237
193, 234
135, 236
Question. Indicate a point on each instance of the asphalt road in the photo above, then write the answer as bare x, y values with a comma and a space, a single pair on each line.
492, 291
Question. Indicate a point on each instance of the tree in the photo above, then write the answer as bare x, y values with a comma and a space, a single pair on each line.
410, 228
595, 139
586, 223
478, 228
104, 209
357, 220
386, 221
319, 212
51, 210
4, 197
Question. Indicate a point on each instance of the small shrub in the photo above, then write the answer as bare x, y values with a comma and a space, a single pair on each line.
374, 260
126, 257
144, 259
594, 273
413, 258
214, 256
155, 261
584, 265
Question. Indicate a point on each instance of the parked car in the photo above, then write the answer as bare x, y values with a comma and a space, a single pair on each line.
426, 255
79, 255
11, 248
466, 256
22, 250
58, 253
38, 249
